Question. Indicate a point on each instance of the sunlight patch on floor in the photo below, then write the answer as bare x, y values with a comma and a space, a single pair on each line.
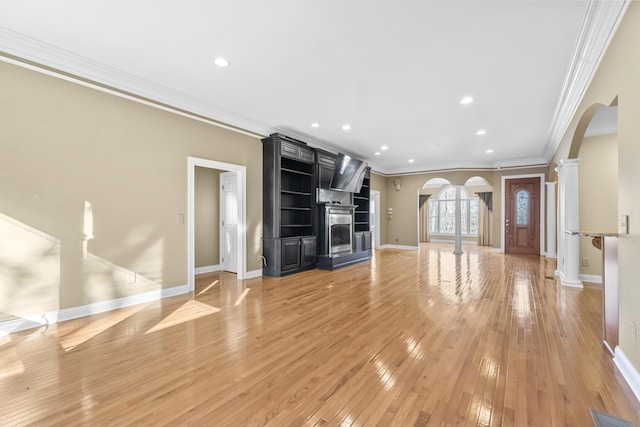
10, 363
208, 287
241, 298
95, 328
188, 311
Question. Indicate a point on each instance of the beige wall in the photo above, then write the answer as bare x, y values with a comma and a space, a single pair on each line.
207, 214
402, 229
619, 75
598, 180
63, 144
378, 183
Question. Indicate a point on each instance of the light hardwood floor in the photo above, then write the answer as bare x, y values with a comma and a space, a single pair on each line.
410, 338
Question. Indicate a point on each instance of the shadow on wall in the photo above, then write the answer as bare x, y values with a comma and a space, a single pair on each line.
41, 274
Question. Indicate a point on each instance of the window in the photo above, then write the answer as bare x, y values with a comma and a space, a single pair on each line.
522, 207
442, 213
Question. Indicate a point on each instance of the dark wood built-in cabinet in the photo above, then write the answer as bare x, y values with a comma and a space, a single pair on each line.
362, 226
288, 206
326, 163
295, 180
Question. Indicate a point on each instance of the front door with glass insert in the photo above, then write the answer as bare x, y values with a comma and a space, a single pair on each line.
522, 216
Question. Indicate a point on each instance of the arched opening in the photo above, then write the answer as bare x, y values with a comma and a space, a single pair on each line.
437, 211
588, 210
428, 190
598, 183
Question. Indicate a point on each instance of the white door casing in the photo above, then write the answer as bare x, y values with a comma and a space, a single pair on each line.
241, 238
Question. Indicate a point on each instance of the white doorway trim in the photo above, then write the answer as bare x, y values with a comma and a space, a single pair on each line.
543, 199
375, 196
192, 163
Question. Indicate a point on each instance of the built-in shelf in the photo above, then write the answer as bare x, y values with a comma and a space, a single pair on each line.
295, 172
289, 241
361, 200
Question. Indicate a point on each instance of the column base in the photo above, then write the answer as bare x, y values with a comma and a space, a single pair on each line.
458, 252
572, 283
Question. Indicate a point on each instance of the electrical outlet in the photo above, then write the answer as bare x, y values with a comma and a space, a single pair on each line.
131, 277
585, 262
634, 332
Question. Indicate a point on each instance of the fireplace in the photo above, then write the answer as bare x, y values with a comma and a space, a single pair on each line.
337, 229
340, 231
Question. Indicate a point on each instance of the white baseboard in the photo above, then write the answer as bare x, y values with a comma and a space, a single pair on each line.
555, 256
409, 248
629, 372
592, 278
464, 242
497, 250
253, 274
572, 284
52, 317
207, 269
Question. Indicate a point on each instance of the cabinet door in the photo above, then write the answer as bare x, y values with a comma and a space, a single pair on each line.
289, 150
290, 253
307, 155
358, 239
366, 241
308, 251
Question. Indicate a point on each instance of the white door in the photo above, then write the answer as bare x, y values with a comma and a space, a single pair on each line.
374, 218
228, 221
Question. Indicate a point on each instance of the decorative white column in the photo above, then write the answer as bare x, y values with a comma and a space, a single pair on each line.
570, 255
560, 231
551, 220
458, 238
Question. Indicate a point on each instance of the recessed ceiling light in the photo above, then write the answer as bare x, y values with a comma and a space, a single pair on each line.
384, 147
489, 151
466, 100
221, 62
315, 125
481, 132
377, 153
411, 160
346, 127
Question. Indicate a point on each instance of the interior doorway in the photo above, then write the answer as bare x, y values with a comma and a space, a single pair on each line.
240, 235
539, 209
522, 216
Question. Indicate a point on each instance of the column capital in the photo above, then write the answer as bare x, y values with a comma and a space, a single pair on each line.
569, 162
550, 183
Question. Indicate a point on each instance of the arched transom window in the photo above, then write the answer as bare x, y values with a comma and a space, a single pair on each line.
442, 212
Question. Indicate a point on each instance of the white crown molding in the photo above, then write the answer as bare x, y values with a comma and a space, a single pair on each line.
22, 50
600, 23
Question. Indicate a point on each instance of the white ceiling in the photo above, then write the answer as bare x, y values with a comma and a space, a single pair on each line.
394, 71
